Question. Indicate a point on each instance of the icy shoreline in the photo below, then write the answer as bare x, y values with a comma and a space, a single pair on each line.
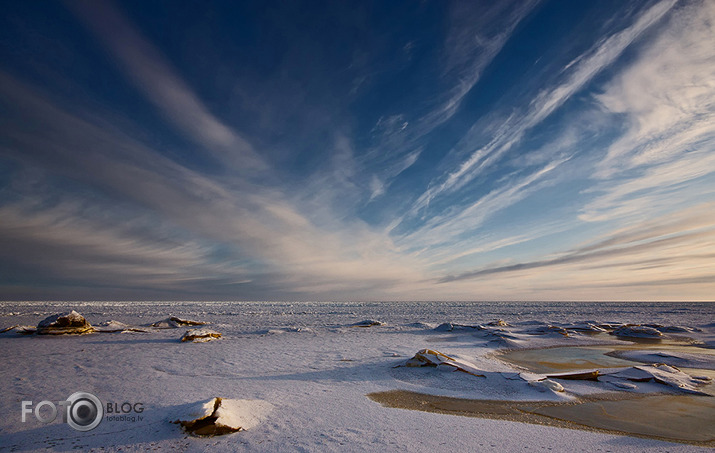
311, 364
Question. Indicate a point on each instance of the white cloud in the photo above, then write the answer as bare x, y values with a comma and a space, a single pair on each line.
512, 129
667, 100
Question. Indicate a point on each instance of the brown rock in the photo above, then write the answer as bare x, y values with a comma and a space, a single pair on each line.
71, 323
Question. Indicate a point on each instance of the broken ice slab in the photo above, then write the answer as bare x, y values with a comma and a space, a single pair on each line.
200, 335
660, 373
18, 329
173, 322
544, 385
429, 357
578, 376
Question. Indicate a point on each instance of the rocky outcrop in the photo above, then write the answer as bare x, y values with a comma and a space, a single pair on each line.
71, 323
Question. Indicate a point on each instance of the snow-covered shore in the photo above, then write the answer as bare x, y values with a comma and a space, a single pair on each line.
310, 363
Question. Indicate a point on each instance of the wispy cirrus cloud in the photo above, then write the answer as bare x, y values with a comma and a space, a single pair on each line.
477, 32
153, 74
249, 223
667, 100
513, 128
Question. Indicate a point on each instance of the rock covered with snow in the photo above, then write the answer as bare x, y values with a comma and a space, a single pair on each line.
636, 331
449, 327
173, 322
200, 335
368, 323
70, 323
499, 337
549, 329
219, 416
544, 385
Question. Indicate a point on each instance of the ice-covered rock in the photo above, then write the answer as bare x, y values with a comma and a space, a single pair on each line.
22, 330
609, 326
673, 329
219, 416
429, 357
549, 329
498, 337
637, 331
173, 322
544, 385
449, 327
368, 323
282, 330
116, 326
200, 335
585, 327
70, 323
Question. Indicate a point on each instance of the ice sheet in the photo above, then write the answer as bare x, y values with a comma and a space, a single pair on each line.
315, 374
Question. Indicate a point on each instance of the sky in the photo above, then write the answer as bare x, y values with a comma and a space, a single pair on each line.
357, 150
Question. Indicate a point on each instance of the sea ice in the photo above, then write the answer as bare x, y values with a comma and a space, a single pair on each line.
636, 331
22, 330
549, 329
173, 322
673, 358
116, 326
659, 373
584, 327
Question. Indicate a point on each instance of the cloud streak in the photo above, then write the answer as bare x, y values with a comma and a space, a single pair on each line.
515, 126
151, 73
686, 233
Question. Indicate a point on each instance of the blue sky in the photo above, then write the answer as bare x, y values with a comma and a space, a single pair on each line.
433, 150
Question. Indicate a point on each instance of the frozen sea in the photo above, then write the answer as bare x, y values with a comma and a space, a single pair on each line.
313, 368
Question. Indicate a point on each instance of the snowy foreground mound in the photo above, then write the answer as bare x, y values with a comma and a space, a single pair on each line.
219, 416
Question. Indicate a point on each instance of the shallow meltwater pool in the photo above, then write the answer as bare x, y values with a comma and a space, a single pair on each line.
571, 358
566, 358
675, 417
